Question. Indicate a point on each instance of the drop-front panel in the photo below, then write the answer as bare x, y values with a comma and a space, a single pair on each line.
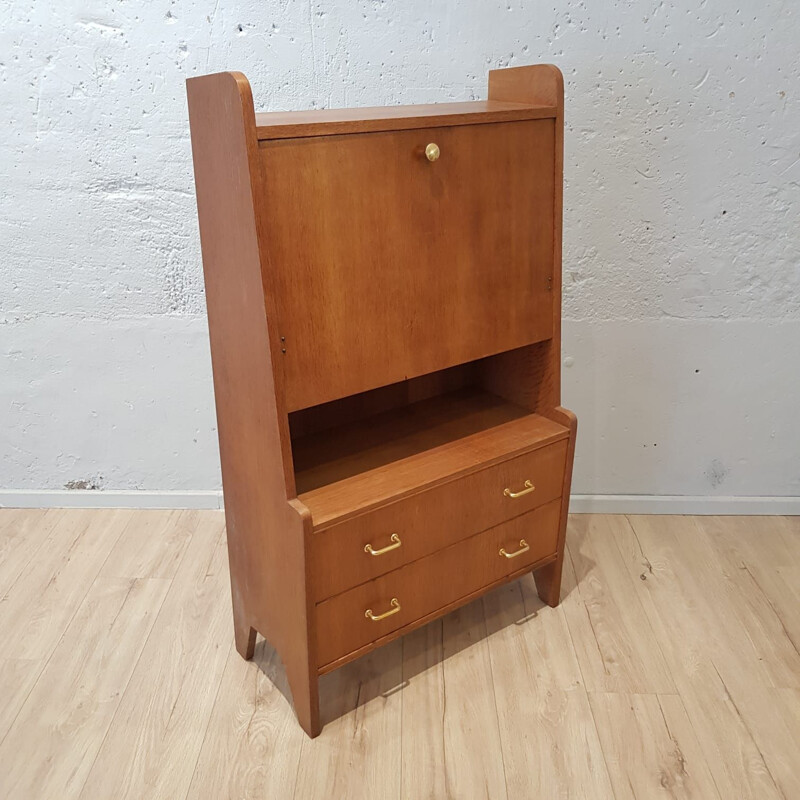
385, 265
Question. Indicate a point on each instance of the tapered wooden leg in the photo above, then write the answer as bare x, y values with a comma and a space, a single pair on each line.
244, 635
548, 582
305, 695
548, 578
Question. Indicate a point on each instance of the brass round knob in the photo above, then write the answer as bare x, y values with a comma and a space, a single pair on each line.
432, 151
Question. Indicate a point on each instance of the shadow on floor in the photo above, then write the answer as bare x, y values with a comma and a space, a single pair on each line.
389, 669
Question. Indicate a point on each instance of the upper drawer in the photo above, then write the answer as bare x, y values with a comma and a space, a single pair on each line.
384, 265
433, 519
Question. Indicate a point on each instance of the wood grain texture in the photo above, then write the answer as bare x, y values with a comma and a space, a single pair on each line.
91, 664
383, 439
432, 583
39, 606
532, 376
542, 705
678, 578
21, 535
772, 718
763, 592
252, 743
548, 579
543, 84
448, 703
351, 285
526, 377
356, 408
110, 627
17, 677
424, 760
454, 457
489, 701
157, 547
386, 266
618, 651
329, 122
154, 739
267, 528
359, 751
447, 514
471, 729
651, 747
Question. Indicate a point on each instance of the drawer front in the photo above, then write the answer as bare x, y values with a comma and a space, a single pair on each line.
416, 526
375, 609
387, 265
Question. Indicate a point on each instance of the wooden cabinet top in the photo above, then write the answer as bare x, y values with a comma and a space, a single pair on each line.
327, 122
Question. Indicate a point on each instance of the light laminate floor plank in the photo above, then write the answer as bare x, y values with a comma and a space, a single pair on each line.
471, 730
358, 752
48, 570
423, 764
616, 647
252, 744
153, 742
549, 740
700, 637
37, 608
67, 714
651, 748
154, 546
17, 678
765, 592
669, 670
22, 533
772, 716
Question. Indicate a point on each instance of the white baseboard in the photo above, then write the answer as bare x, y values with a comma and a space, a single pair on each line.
677, 504
579, 503
101, 498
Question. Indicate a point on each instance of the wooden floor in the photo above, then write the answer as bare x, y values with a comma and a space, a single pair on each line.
671, 669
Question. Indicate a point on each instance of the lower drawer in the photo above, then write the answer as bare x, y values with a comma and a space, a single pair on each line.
369, 612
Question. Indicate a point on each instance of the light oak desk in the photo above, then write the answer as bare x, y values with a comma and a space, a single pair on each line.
384, 302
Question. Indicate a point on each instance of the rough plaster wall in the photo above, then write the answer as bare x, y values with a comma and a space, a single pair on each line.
681, 242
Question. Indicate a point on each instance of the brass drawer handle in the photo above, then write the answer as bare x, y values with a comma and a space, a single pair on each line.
432, 151
395, 607
529, 487
394, 538
523, 548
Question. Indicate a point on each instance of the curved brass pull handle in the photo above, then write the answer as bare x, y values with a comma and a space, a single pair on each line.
529, 487
432, 151
395, 607
523, 548
394, 538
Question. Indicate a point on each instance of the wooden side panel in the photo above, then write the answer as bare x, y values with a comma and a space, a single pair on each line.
539, 84
531, 375
267, 535
387, 266
548, 579
527, 377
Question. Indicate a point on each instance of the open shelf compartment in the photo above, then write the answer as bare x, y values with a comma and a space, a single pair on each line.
345, 469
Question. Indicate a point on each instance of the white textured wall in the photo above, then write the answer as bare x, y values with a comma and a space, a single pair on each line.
682, 256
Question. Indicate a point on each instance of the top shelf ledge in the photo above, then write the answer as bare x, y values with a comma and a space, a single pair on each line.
326, 122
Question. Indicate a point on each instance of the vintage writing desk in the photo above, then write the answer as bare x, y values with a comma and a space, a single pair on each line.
384, 302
